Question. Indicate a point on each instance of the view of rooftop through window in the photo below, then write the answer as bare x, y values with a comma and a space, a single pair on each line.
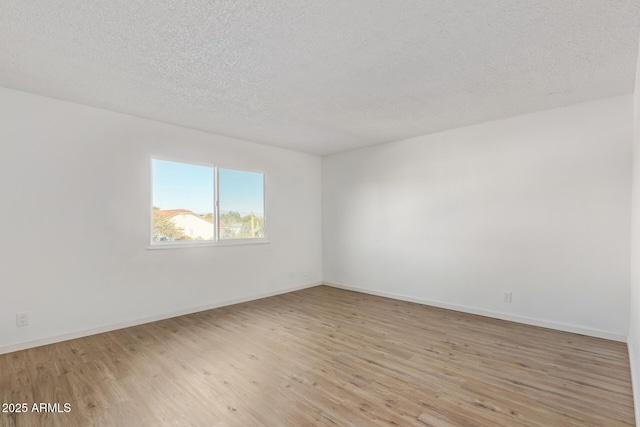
184, 200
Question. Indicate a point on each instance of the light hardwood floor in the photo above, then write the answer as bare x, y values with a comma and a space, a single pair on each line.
324, 357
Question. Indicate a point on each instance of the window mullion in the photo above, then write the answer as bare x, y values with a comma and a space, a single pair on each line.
216, 203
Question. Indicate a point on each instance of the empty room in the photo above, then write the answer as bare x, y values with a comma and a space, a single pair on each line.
337, 213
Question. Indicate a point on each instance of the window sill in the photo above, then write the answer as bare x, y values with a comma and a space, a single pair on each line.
229, 242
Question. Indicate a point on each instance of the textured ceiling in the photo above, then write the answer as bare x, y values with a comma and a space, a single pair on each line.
320, 76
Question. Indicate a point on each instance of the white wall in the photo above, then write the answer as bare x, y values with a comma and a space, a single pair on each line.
633, 340
74, 196
538, 205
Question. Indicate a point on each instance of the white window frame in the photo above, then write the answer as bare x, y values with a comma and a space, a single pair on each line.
216, 211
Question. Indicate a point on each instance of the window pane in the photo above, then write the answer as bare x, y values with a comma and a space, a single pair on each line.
241, 204
182, 202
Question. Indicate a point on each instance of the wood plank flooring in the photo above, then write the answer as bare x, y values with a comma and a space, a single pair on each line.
323, 357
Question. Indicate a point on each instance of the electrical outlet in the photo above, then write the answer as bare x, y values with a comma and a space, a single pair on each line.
292, 275
22, 319
507, 296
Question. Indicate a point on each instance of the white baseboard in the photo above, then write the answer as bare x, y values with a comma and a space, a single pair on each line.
487, 313
135, 322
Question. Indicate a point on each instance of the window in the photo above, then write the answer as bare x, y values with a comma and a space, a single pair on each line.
241, 204
193, 204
